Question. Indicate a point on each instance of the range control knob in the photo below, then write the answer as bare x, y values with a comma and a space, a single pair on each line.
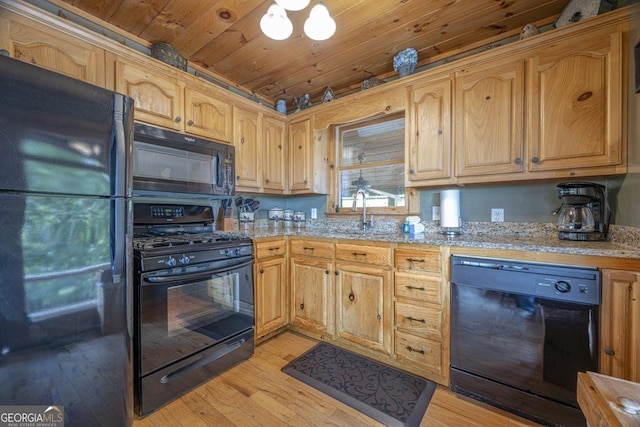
563, 287
232, 252
184, 260
171, 262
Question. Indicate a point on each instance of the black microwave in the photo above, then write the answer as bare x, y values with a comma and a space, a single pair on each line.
171, 162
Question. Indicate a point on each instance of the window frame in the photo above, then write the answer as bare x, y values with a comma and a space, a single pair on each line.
412, 199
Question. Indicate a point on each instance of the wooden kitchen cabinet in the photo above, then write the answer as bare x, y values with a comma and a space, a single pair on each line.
575, 110
247, 133
312, 286
165, 99
428, 151
363, 296
620, 324
308, 158
489, 113
45, 47
274, 166
271, 287
421, 321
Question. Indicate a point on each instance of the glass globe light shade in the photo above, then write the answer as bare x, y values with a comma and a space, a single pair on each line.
275, 24
293, 5
319, 25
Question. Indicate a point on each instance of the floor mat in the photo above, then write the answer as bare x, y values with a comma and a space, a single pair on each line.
386, 394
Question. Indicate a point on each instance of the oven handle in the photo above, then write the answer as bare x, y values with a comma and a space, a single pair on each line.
204, 361
190, 276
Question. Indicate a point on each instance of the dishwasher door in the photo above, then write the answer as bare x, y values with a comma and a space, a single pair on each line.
519, 338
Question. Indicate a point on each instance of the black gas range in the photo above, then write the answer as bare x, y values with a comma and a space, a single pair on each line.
194, 306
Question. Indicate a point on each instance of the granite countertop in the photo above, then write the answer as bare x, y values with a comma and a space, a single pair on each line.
623, 242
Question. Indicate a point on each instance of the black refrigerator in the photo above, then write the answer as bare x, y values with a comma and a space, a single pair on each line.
65, 249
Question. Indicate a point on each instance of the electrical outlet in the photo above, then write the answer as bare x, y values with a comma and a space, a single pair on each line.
435, 213
497, 215
314, 213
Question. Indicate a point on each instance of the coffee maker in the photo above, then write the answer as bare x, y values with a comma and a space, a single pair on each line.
584, 214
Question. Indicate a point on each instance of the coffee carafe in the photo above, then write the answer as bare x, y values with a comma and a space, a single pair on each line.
584, 214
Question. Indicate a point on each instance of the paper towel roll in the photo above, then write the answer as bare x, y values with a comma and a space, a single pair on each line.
450, 208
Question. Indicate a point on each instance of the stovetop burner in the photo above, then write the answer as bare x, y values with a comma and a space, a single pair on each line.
164, 229
148, 241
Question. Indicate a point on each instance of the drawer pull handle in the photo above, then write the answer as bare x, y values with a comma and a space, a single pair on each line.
413, 350
307, 248
351, 296
609, 351
357, 254
415, 260
274, 249
413, 319
411, 288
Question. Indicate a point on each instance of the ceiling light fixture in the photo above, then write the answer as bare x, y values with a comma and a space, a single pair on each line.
276, 25
293, 5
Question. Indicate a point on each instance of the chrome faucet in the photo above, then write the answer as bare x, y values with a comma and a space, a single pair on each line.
365, 224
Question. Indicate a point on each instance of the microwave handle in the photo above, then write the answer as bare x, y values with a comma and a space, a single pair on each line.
219, 178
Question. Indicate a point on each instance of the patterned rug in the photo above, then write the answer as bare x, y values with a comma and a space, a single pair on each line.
385, 394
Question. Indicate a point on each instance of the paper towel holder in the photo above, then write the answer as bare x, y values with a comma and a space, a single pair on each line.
450, 220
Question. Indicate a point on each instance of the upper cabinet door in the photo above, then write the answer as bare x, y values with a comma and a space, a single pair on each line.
489, 105
207, 116
576, 104
428, 155
247, 132
274, 156
157, 96
53, 50
300, 155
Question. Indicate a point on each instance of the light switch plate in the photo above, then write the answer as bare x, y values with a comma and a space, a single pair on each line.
435, 213
314, 213
497, 215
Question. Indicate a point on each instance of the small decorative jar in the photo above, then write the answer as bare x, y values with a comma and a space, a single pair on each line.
281, 106
405, 62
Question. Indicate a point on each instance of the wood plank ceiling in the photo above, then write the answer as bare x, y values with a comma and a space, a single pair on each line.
224, 37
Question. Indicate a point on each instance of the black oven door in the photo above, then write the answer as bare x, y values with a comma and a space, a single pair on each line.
187, 309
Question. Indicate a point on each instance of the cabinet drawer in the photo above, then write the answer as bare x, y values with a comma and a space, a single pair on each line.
417, 287
271, 249
365, 254
422, 321
314, 248
418, 260
423, 352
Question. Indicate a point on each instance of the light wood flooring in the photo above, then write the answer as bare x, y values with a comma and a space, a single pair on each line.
256, 393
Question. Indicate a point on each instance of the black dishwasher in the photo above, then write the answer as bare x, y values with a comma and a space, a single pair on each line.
521, 332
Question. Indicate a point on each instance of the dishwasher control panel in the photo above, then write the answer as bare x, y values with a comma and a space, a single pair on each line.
552, 281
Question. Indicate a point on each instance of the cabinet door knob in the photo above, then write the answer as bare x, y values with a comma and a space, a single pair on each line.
190, 122
241, 140
336, 273
302, 306
238, 177
535, 160
261, 270
178, 119
609, 351
517, 161
351, 296
327, 272
267, 180
412, 171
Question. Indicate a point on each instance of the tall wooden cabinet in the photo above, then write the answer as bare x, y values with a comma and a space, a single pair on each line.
363, 296
620, 324
247, 137
274, 156
271, 290
428, 151
312, 286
